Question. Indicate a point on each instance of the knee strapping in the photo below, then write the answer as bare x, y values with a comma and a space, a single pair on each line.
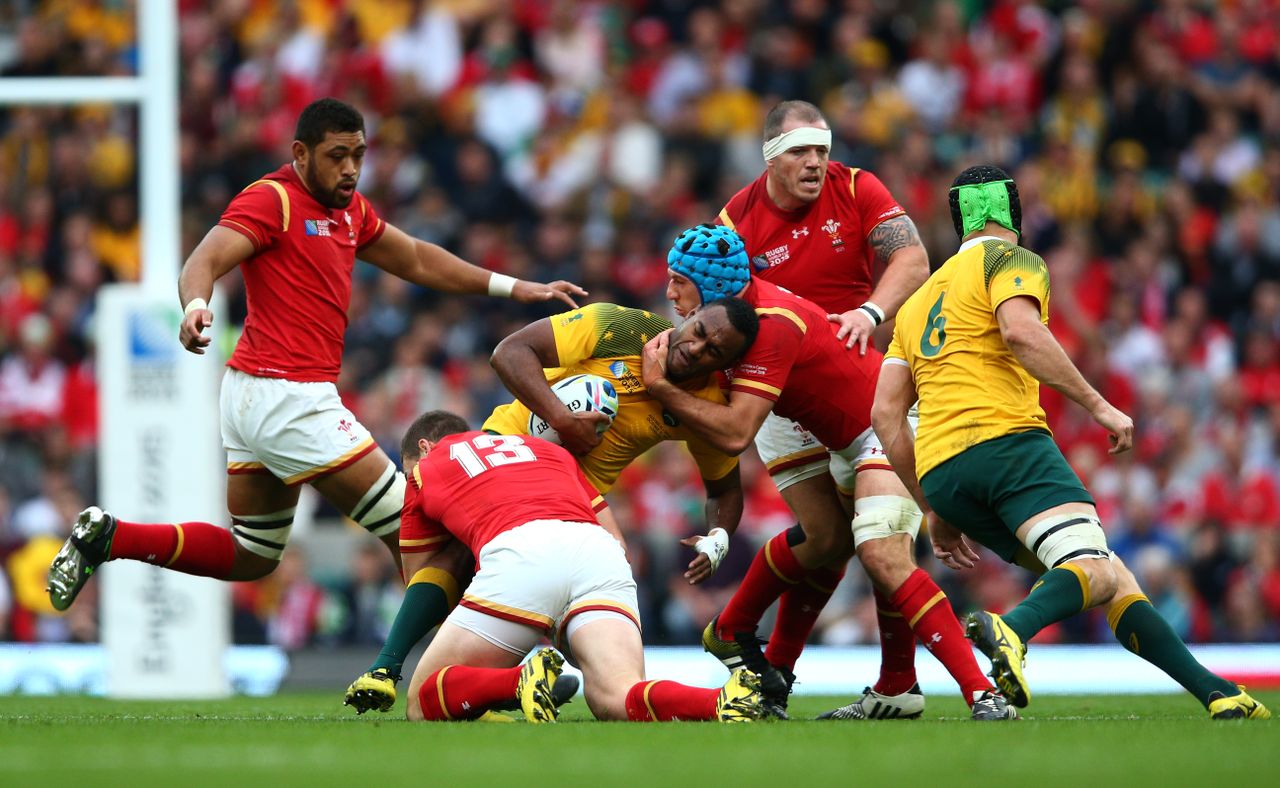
263, 534
378, 512
1062, 537
882, 516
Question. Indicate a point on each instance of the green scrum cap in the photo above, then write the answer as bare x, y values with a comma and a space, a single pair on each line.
984, 194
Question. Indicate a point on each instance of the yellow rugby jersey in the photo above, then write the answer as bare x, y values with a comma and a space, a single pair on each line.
607, 340
971, 387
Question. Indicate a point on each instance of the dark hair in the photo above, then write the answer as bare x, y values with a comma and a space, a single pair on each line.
432, 425
323, 116
742, 316
984, 173
801, 110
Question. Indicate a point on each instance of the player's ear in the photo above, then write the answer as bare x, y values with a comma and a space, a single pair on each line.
425, 446
301, 152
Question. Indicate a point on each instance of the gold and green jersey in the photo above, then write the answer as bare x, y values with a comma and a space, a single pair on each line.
607, 340
971, 387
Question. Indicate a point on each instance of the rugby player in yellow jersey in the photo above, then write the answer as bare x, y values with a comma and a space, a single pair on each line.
605, 340
973, 345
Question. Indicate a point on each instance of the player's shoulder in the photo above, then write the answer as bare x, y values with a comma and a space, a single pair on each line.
999, 256
623, 330
742, 203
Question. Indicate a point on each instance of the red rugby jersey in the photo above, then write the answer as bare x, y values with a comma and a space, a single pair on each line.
819, 251
798, 363
476, 485
298, 281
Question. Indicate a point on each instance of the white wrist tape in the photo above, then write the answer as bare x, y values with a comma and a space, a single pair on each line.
193, 305
501, 285
715, 546
796, 138
876, 313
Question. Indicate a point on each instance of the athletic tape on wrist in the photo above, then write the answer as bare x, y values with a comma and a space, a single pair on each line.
876, 313
715, 546
193, 305
501, 285
796, 138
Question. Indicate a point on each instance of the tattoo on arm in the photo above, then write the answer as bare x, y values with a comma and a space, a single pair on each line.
891, 235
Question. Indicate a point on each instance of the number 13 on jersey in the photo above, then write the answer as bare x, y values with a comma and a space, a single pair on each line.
489, 451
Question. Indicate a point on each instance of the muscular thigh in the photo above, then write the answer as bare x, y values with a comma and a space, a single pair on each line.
347, 487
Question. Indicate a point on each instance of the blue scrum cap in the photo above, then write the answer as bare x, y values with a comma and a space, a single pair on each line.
714, 258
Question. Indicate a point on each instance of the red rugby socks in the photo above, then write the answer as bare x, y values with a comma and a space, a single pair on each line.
192, 548
460, 692
665, 701
798, 611
929, 614
897, 649
773, 571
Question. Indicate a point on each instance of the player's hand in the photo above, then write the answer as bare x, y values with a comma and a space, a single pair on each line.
1118, 426
950, 547
535, 292
191, 330
653, 359
581, 431
857, 326
711, 550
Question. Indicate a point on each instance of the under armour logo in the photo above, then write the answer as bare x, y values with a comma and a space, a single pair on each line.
797, 233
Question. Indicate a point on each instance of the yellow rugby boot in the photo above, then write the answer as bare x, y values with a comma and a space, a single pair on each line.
1005, 650
1236, 707
534, 689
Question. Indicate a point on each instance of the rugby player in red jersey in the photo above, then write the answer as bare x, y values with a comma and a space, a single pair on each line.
295, 235
823, 230
799, 369
544, 568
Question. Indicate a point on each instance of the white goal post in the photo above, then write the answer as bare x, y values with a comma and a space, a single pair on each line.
160, 460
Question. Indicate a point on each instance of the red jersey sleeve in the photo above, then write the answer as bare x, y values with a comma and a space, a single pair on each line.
873, 200
419, 533
258, 213
371, 224
764, 370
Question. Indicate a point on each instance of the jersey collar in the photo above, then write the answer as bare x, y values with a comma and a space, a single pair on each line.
972, 242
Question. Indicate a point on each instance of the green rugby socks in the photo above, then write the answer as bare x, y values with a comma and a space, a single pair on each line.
1059, 593
1142, 630
431, 594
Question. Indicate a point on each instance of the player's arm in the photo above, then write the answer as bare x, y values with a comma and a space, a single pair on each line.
724, 512
431, 266
1035, 348
221, 250
519, 361
729, 428
895, 392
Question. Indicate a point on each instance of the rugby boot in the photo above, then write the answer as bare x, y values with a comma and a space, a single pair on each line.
1236, 707
1005, 650
875, 706
744, 651
740, 699
87, 548
534, 688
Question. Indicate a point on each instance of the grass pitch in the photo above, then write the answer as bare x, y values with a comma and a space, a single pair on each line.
310, 739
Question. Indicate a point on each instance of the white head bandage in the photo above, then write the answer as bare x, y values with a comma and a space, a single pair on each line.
796, 138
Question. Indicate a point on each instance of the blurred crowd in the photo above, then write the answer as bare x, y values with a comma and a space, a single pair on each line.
575, 139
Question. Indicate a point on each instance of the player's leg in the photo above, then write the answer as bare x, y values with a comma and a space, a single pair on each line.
1141, 629
436, 581
468, 669
194, 548
885, 526
371, 492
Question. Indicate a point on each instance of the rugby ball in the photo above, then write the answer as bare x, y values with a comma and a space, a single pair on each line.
580, 393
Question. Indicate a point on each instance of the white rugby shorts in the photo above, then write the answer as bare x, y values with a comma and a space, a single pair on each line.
297, 432
793, 454
543, 576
